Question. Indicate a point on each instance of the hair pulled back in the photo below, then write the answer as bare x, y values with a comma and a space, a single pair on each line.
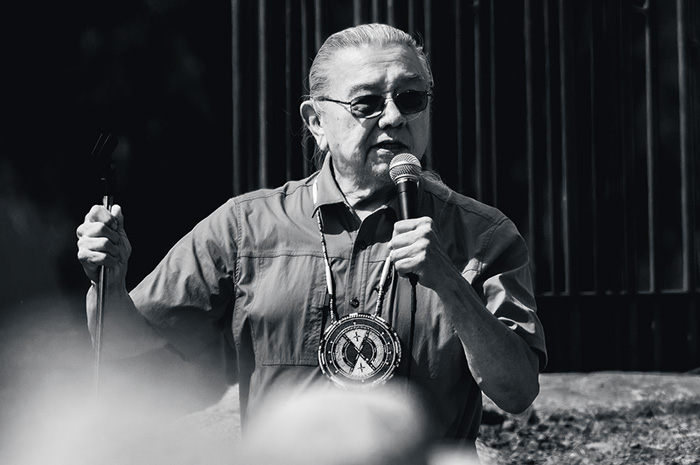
358, 36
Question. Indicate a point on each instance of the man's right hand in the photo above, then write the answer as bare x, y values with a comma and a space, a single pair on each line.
102, 241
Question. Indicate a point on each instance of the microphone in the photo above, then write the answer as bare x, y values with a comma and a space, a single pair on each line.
404, 171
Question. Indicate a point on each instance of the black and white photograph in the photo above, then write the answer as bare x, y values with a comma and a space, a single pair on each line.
350, 232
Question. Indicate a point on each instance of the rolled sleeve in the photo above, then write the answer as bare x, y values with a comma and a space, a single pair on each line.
507, 287
186, 296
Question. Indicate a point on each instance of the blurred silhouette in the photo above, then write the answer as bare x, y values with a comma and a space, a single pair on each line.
330, 426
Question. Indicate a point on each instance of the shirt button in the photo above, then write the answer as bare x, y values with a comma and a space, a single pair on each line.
355, 302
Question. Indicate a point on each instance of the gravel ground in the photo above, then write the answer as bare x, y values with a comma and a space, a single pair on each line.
600, 418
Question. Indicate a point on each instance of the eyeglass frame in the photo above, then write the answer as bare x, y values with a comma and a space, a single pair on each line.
380, 109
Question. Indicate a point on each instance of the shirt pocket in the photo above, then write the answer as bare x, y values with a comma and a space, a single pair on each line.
287, 310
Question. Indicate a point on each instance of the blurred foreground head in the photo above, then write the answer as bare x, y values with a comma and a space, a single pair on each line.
383, 426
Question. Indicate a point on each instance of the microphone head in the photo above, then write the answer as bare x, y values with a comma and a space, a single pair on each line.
404, 167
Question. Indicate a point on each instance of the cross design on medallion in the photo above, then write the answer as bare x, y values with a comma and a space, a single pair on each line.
360, 351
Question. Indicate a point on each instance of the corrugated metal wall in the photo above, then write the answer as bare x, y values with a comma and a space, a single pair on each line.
578, 119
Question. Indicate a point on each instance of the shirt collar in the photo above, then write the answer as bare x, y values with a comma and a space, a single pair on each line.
327, 192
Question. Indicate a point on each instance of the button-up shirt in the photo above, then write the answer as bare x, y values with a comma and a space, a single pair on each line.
254, 269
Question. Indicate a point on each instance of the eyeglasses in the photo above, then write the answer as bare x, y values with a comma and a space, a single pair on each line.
371, 106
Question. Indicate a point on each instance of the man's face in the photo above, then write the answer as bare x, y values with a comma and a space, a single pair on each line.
361, 148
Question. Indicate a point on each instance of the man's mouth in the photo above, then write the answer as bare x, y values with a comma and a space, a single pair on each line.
391, 146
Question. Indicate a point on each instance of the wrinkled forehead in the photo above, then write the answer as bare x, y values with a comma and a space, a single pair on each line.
375, 68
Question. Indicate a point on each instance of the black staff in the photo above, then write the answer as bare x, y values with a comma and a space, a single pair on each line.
103, 149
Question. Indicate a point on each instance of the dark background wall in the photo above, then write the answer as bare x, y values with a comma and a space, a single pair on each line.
577, 119
157, 75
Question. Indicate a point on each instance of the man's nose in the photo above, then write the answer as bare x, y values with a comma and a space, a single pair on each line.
391, 116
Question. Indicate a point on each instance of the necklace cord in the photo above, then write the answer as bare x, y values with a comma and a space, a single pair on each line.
386, 271
413, 327
339, 328
330, 283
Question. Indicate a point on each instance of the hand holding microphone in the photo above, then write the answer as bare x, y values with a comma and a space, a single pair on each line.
416, 246
404, 171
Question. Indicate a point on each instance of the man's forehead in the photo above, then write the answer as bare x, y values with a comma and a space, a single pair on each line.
369, 67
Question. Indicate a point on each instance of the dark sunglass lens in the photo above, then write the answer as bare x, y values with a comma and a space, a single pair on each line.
411, 101
366, 105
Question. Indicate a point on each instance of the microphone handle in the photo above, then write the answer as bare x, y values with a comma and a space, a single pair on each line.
408, 206
408, 193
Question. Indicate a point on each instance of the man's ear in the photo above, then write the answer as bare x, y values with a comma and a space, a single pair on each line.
313, 123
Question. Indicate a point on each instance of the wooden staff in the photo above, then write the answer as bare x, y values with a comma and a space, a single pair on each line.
103, 149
